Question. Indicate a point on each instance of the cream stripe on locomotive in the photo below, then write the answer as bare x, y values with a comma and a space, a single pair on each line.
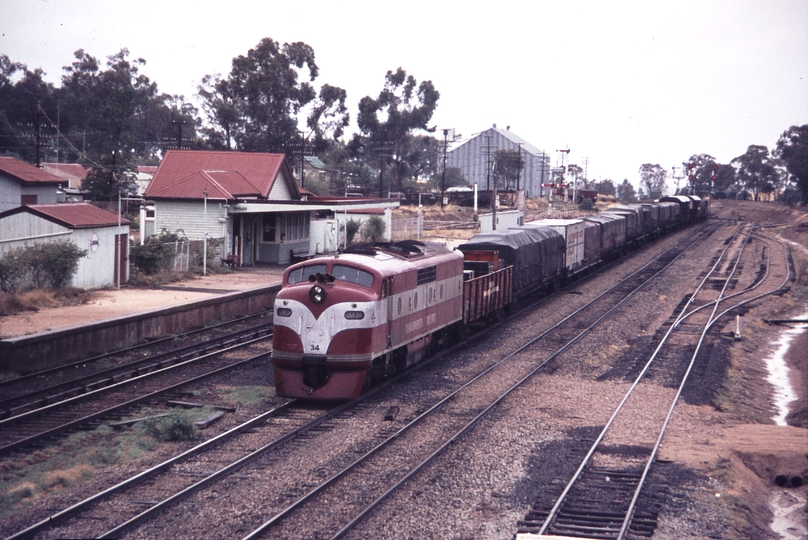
316, 333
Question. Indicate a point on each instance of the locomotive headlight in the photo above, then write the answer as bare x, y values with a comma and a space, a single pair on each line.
284, 312
354, 315
317, 294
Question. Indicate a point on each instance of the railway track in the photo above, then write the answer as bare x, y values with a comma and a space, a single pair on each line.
115, 398
601, 499
275, 446
40, 384
328, 481
31, 392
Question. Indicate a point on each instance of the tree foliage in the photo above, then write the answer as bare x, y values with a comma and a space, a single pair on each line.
508, 166
605, 187
626, 193
756, 171
701, 168
402, 107
792, 149
374, 229
652, 178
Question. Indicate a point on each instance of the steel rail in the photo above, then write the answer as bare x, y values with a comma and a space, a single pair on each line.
711, 321
80, 385
101, 356
148, 473
132, 402
299, 502
585, 461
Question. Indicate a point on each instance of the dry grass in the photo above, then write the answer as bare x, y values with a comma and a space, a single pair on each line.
36, 299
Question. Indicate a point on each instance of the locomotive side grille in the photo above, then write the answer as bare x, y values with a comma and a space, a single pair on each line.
427, 275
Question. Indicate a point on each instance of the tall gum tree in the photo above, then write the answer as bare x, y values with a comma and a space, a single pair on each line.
104, 106
652, 177
402, 107
792, 149
265, 85
756, 171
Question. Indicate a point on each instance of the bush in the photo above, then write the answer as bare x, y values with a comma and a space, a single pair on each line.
586, 205
374, 229
48, 265
351, 228
154, 253
12, 270
177, 426
54, 263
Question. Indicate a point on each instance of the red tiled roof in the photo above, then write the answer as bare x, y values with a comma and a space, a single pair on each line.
25, 172
150, 169
186, 174
72, 215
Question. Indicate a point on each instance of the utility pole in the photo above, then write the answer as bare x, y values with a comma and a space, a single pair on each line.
518, 165
443, 180
446, 143
179, 132
205, 246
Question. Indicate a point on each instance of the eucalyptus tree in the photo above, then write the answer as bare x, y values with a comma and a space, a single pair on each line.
705, 174
626, 193
402, 107
652, 177
267, 96
26, 103
101, 110
792, 149
757, 171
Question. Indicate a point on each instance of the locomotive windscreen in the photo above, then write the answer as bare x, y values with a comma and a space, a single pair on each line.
352, 275
302, 274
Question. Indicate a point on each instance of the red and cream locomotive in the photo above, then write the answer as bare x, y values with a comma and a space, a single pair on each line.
344, 321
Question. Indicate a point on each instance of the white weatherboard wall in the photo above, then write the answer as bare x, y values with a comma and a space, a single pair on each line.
95, 270
188, 217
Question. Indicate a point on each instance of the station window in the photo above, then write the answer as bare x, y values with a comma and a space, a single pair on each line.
270, 226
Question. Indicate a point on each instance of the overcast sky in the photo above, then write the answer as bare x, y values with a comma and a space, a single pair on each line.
618, 83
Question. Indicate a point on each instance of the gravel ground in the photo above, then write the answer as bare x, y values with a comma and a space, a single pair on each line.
720, 454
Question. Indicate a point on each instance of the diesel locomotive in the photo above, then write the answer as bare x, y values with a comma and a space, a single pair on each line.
344, 322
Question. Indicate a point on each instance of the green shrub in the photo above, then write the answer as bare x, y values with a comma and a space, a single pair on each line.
154, 253
374, 229
586, 205
351, 228
52, 264
47, 265
12, 270
177, 426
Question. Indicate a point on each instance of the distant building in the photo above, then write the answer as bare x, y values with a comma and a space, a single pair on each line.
21, 183
145, 173
472, 159
74, 173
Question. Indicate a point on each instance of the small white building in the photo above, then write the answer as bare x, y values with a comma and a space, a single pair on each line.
101, 233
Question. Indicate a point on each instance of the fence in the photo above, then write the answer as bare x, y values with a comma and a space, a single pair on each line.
407, 228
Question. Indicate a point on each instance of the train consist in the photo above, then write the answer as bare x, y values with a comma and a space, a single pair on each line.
346, 321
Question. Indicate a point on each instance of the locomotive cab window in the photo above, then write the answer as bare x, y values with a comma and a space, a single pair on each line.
352, 275
302, 274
